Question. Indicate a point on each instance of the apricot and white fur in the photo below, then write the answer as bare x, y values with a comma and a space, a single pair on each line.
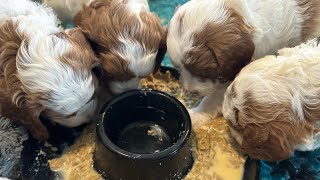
52, 66
273, 105
269, 25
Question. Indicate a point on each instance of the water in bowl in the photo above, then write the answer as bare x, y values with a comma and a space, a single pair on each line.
144, 137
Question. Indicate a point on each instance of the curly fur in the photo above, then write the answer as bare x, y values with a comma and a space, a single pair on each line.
211, 41
273, 104
43, 71
128, 39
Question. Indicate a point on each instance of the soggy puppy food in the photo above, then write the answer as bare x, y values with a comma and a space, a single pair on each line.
167, 83
215, 157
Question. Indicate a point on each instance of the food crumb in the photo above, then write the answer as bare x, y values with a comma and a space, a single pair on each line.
41, 152
46, 144
54, 149
151, 132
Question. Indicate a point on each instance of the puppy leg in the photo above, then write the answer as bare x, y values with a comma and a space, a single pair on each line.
199, 119
208, 109
211, 104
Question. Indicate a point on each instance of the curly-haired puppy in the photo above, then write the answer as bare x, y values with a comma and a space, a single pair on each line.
43, 71
211, 40
273, 105
129, 40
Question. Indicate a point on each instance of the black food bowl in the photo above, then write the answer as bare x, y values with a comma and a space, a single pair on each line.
144, 134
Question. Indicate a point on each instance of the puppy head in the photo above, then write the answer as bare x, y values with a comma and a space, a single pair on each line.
262, 121
209, 43
55, 72
128, 38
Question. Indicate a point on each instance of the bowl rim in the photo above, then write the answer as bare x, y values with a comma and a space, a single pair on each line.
172, 150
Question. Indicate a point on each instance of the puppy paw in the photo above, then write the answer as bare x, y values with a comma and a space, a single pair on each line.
214, 114
199, 119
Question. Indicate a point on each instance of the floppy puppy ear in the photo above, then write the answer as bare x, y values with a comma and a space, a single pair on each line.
92, 22
25, 114
115, 68
34, 125
14, 103
270, 131
268, 141
221, 50
82, 15
275, 140
202, 62
161, 52
235, 56
87, 11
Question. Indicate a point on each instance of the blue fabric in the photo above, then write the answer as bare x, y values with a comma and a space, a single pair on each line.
302, 166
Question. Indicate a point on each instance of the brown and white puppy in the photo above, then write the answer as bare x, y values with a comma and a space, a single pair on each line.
43, 70
129, 40
273, 105
211, 40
